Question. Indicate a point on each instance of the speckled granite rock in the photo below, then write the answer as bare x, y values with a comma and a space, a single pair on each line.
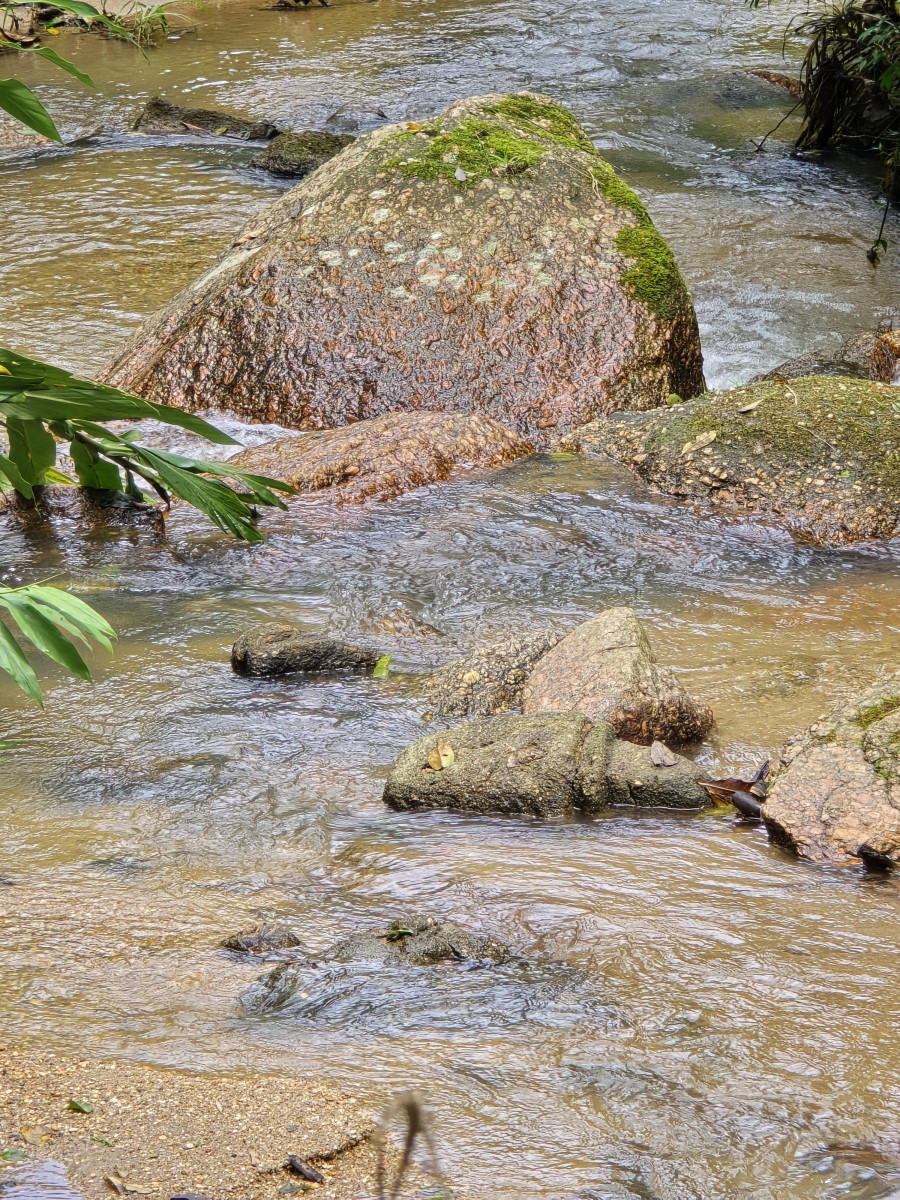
606, 669
296, 155
160, 117
490, 680
486, 260
277, 648
818, 455
838, 787
542, 764
385, 456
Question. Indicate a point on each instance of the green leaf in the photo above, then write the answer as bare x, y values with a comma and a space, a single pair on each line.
13, 1154
92, 470
43, 634
15, 477
87, 12
80, 1106
15, 664
81, 614
59, 61
31, 447
21, 102
382, 667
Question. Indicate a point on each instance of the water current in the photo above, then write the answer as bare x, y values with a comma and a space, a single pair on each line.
734, 1030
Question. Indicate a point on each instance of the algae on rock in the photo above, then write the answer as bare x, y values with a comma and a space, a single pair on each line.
818, 454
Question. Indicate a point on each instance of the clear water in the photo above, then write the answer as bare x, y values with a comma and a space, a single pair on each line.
740, 1033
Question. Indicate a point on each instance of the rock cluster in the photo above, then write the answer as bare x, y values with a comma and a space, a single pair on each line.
819, 455
836, 798
605, 668
385, 456
486, 260
541, 765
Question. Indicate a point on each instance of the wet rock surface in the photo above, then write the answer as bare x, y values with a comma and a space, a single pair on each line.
836, 797
158, 116
385, 456
487, 260
270, 935
424, 973
853, 357
490, 680
15, 139
278, 648
295, 155
85, 506
541, 764
606, 669
816, 455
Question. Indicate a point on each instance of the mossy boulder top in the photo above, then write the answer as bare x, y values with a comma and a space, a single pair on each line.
820, 455
486, 260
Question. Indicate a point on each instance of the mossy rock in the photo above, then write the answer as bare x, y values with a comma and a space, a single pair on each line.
295, 155
486, 260
819, 455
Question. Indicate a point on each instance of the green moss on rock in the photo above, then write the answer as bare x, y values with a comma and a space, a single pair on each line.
545, 119
478, 148
655, 279
868, 716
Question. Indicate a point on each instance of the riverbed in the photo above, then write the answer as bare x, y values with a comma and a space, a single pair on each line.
740, 1038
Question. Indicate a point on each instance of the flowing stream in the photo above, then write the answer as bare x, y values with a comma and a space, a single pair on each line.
734, 1033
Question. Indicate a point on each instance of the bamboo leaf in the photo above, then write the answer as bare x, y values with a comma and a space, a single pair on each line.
31, 447
15, 477
16, 665
43, 634
22, 104
92, 470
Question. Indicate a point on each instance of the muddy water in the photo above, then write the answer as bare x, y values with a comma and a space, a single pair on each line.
734, 1031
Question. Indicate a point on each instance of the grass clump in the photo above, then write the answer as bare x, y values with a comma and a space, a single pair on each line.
545, 119
655, 279
476, 149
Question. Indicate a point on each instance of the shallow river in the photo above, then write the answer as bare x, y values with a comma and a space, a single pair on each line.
734, 1028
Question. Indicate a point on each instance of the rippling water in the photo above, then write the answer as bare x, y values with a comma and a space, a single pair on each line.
733, 1031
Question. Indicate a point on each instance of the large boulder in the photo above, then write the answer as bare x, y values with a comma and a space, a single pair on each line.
385, 456
491, 680
159, 116
487, 260
543, 765
836, 796
819, 455
606, 669
296, 155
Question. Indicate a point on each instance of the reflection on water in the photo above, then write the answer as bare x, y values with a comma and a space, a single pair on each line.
772, 247
723, 1021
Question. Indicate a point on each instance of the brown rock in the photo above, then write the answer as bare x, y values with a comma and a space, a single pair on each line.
276, 649
295, 155
491, 680
16, 139
838, 788
488, 260
606, 669
159, 116
385, 456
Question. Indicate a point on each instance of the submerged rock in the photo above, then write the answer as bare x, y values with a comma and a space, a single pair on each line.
386, 456
606, 669
542, 764
268, 936
487, 260
491, 680
87, 506
836, 798
16, 139
277, 648
159, 116
853, 358
820, 456
294, 155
